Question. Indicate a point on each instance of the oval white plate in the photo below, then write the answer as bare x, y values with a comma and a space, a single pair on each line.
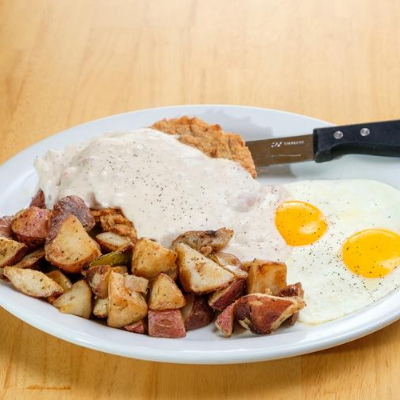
204, 346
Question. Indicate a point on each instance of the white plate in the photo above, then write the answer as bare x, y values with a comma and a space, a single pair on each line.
18, 180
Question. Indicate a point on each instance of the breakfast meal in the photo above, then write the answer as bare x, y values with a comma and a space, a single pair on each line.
164, 230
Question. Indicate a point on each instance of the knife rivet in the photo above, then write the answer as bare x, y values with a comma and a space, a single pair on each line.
338, 135
365, 132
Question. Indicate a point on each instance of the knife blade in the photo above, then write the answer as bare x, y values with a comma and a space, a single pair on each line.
325, 144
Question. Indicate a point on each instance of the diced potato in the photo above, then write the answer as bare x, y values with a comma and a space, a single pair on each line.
76, 301
225, 321
72, 248
199, 274
165, 294
110, 241
151, 258
11, 251
100, 309
205, 242
230, 263
31, 282
63, 209
62, 280
38, 200
97, 277
136, 284
31, 260
30, 226
223, 298
124, 308
262, 313
115, 222
5, 227
265, 275
166, 324
196, 313
137, 327
115, 258
291, 291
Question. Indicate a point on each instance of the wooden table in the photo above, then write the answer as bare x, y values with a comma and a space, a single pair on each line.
66, 62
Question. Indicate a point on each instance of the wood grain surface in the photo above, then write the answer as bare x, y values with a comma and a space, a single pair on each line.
65, 62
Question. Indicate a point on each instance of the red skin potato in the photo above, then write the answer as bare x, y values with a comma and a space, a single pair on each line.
31, 226
225, 320
261, 311
223, 298
38, 200
200, 314
166, 324
289, 291
69, 205
5, 227
137, 327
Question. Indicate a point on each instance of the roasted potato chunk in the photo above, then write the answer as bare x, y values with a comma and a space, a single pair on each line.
137, 327
116, 223
100, 308
72, 248
262, 313
199, 274
31, 282
266, 275
165, 294
110, 241
30, 226
231, 263
5, 227
136, 284
196, 313
31, 260
38, 200
97, 277
291, 291
166, 324
76, 301
62, 280
151, 258
223, 298
11, 251
225, 321
205, 242
63, 209
124, 308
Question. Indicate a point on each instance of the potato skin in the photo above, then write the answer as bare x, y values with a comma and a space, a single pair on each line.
31, 226
5, 227
264, 313
205, 242
65, 207
295, 289
97, 278
137, 327
166, 324
198, 313
11, 251
225, 321
38, 200
223, 298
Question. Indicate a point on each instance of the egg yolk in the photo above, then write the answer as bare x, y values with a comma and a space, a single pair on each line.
300, 223
372, 253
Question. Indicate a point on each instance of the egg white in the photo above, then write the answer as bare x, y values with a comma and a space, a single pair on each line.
331, 289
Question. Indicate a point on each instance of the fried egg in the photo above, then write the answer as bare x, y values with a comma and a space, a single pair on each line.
345, 241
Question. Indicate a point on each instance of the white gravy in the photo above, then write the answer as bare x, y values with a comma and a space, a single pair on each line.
167, 188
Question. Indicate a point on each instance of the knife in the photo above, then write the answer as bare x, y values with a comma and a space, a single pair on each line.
325, 144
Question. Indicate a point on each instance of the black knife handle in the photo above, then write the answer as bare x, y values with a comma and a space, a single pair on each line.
376, 138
